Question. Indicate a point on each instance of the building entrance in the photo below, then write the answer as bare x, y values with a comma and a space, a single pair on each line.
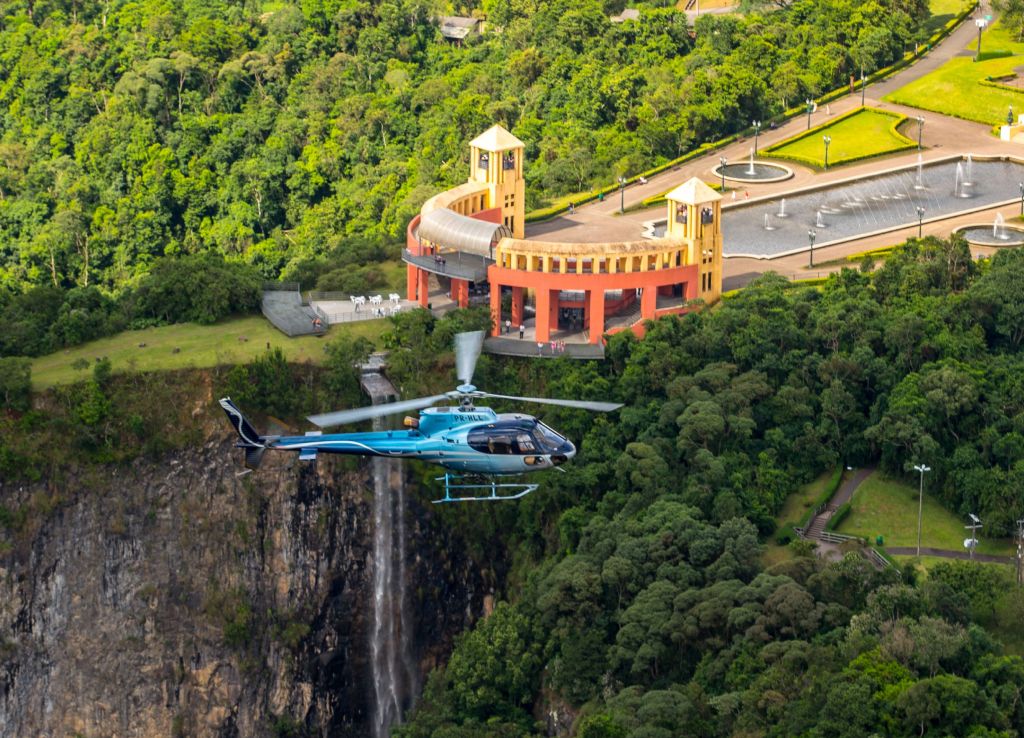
570, 319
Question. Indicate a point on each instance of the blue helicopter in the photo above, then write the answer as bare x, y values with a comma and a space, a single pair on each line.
475, 445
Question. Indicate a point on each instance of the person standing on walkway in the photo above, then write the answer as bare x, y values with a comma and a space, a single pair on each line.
508, 327
522, 330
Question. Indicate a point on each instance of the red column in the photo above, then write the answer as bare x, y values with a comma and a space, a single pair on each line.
543, 315
496, 317
460, 292
690, 287
410, 282
423, 287
518, 295
648, 303
595, 303
553, 318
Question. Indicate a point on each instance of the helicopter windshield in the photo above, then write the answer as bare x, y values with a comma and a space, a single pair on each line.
549, 441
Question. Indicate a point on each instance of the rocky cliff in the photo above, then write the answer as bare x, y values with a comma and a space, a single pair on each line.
172, 597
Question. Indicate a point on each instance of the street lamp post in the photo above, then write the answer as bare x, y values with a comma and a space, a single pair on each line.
622, 195
723, 161
811, 235
920, 130
920, 220
973, 527
1021, 186
757, 132
810, 108
827, 140
980, 23
920, 502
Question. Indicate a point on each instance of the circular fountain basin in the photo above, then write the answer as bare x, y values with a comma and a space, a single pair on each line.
984, 235
759, 173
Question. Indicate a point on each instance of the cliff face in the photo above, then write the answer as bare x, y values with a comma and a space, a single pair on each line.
175, 598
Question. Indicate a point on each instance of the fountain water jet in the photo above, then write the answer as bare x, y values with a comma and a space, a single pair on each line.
959, 184
999, 228
782, 209
768, 223
819, 221
969, 172
919, 180
750, 167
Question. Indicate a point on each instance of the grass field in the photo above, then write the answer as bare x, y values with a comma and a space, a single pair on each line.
228, 342
864, 134
886, 507
955, 88
925, 563
943, 11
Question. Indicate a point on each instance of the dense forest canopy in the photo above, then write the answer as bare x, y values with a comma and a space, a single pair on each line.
272, 133
642, 607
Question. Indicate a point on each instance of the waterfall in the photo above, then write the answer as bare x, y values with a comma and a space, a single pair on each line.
393, 671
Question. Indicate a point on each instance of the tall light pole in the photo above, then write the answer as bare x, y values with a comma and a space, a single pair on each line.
757, 132
1020, 552
811, 235
920, 130
920, 221
1021, 186
980, 23
723, 161
810, 107
973, 527
920, 502
622, 195
827, 140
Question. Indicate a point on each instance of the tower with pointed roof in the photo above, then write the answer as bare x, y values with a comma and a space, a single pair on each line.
496, 159
695, 217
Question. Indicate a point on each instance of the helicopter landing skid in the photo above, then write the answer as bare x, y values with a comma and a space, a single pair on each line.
503, 491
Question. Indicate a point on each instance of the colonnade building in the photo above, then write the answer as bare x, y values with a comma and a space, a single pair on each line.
473, 236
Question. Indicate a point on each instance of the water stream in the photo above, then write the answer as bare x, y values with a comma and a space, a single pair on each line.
393, 671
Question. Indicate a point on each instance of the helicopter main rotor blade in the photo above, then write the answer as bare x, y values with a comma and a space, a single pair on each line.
600, 407
467, 350
341, 417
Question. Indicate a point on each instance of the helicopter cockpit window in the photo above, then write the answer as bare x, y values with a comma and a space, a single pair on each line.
549, 441
500, 444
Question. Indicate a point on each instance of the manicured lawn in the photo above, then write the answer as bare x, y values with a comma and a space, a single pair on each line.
886, 507
925, 563
943, 11
955, 88
858, 136
200, 346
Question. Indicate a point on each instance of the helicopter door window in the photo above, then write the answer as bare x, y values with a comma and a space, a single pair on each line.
500, 444
524, 444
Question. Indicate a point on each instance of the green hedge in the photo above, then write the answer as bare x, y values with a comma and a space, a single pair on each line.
785, 534
560, 205
1000, 86
837, 517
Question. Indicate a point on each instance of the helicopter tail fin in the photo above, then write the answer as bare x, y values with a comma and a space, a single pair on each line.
251, 439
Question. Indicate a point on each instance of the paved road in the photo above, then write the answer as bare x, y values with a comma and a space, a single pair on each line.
943, 553
848, 487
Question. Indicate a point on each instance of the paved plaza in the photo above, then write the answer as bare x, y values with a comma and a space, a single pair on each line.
943, 137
